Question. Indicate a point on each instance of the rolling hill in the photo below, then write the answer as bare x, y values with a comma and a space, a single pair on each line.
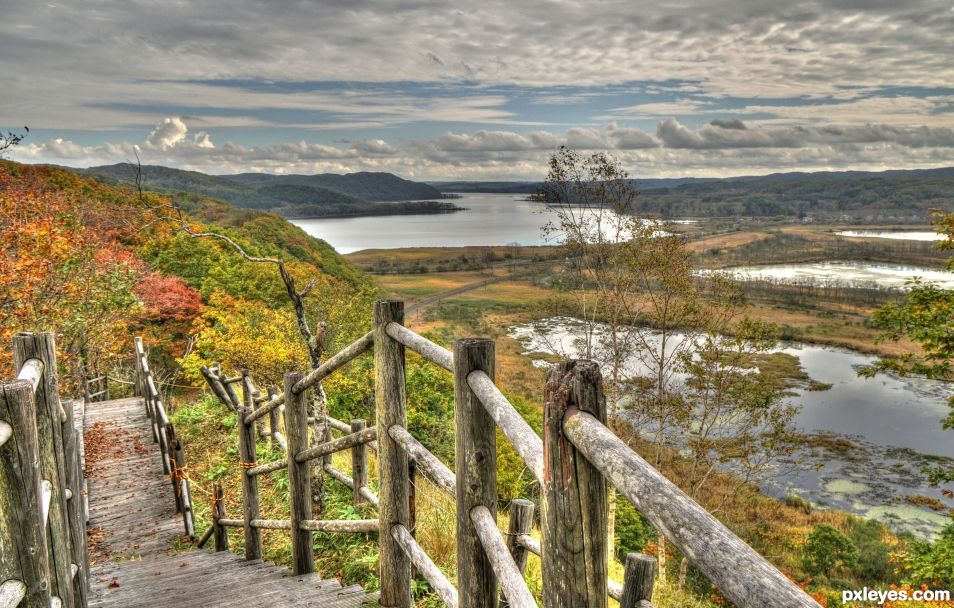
298, 196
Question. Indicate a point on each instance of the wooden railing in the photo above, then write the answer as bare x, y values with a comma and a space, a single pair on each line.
96, 388
574, 462
163, 432
43, 556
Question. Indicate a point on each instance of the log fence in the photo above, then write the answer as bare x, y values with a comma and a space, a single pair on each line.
43, 553
171, 450
577, 462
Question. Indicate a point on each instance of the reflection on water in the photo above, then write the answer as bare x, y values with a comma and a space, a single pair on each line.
868, 438
840, 274
489, 219
902, 235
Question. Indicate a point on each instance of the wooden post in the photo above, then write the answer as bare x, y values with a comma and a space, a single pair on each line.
412, 504
52, 445
138, 351
521, 523
359, 464
24, 552
170, 434
221, 534
272, 417
638, 580
476, 473
74, 507
247, 459
390, 406
574, 493
299, 475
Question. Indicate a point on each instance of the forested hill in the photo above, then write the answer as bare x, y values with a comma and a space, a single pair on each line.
97, 263
887, 195
299, 196
363, 185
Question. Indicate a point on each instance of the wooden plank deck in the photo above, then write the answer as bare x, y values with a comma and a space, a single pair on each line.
137, 553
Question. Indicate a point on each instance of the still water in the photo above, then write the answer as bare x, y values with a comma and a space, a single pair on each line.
902, 235
842, 274
872, 436
489, 219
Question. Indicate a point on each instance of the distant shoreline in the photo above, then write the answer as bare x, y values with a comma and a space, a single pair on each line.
403, 208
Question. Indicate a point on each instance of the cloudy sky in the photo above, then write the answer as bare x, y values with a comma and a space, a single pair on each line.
435, 89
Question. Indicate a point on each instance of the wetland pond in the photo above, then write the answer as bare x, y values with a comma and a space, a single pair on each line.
901, 235
866, 440
869, 275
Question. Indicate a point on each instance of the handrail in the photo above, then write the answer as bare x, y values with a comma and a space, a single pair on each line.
42, 524
171, 452
426, 566
740, 573
511, 580
434, 353
583, 456
524, 440
32, 372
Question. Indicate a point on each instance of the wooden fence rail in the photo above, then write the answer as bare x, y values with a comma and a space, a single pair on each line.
576, 462
171, 450
43, 559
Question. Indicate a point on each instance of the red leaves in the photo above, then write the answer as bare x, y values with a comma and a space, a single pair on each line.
168, 298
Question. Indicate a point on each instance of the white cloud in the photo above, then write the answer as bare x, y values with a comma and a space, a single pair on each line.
723, 147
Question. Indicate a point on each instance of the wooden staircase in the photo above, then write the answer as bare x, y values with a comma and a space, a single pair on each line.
134, 532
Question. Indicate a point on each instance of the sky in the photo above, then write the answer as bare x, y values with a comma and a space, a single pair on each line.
447, 90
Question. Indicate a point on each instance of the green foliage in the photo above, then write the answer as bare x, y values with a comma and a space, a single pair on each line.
633, 531
874, 555
930, 562
430, 397
827, 548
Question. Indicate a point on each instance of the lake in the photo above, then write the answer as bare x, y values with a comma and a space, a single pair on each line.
873, 436
903, 235
488, 219
840, 274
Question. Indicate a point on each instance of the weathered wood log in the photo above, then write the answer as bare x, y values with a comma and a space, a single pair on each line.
247, 460
530, 544
476, 463
574, 492
153, 393
526, 443
345, 356
391, 409
426, 566
299, 476
52, 445
205, 537
230, 391
365, 492
12, 592
216, 388
521, 524
638, 580
170, 434
430, 464
218, 513
75, 509
268, 467
273, 423
24, 552
357, 526
743, 576
434, 353
184, 488
359, 463
512, 585
342, 443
